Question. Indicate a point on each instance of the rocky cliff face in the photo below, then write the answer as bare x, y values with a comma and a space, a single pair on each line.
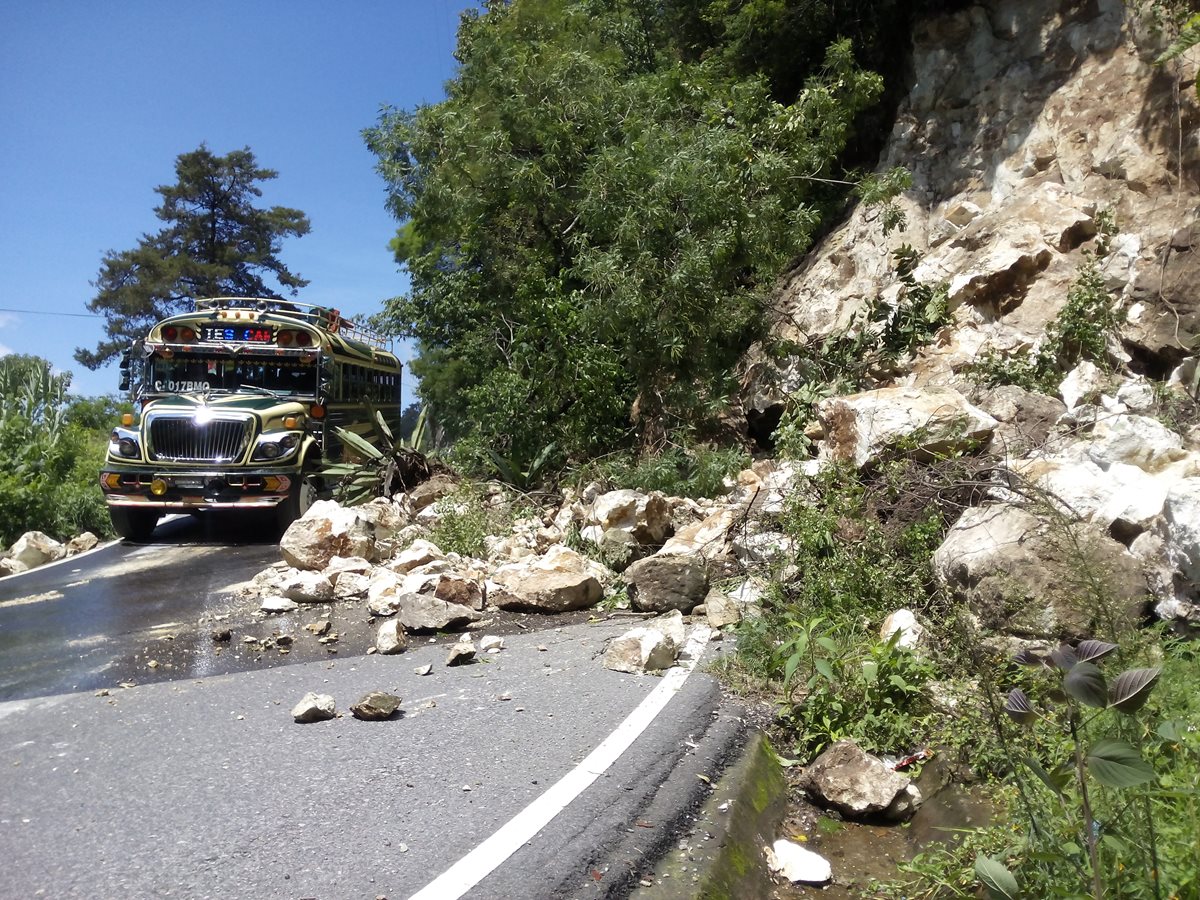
1038, 135
1028, 126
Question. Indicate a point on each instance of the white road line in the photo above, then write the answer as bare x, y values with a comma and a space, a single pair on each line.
484, 859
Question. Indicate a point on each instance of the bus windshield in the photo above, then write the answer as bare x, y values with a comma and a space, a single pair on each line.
190, 374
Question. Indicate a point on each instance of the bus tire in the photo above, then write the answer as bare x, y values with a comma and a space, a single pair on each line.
305, 491
132, 523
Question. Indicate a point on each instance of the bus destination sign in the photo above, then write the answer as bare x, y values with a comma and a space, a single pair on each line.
240, 334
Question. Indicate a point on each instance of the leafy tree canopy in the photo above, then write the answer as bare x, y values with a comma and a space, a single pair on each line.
593, 215
215, 242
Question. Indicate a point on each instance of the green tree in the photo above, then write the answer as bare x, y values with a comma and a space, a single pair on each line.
591, 221
215, 242
51, 448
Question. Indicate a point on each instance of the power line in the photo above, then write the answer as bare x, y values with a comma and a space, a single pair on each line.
42, 312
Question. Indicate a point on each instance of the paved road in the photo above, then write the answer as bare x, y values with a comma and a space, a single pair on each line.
204, 787
96, 620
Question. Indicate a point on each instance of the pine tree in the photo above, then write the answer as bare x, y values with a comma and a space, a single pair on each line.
215, 242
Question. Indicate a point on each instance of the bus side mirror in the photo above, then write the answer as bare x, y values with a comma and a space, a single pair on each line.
124, 367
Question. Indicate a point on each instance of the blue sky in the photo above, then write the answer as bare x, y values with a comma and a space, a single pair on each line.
97, 100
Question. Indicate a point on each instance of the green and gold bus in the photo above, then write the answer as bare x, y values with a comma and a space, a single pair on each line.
237, 401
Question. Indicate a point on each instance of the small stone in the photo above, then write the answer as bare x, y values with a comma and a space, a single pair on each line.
277, 604
423, 670
321, 627
376, 706
284, 640
490, 643
314, 708
249, 640
103, 692
797, 864
222, 635
328, 639
461, 653
153, 664
391, 638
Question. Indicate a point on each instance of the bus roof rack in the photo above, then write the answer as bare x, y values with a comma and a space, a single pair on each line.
322, 317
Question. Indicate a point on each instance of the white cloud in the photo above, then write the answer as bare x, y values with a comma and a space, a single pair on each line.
7, 319
4, 351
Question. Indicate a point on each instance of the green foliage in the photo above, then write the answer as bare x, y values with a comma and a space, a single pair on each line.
592, 219
523, 477
1080, 331
1102, 802
463, 523
842, 685
51, 448
859, 548
1187, 37
216, 242
677, 471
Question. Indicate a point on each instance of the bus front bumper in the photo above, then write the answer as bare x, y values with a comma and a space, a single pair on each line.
194, 490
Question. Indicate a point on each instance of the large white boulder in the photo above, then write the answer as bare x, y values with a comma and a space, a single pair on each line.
647, 517
326, 530
1181, 511
862, 428
558, 581
33, 549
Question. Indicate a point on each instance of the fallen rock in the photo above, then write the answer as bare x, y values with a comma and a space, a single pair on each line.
1181, 513
856, 784
306, 587
645, 517
1026, 419
559, 581
277, 604
863, 428
418, 553
351, 586
12, 566
314, 708
649, 648
326, 530
457, 589
661, 583
490, 643
33, 549
1083, 384
424, 612
376, 706
798, 865
904, 626
720, 609
1021, 575
461, 653
707, 538
390, 638
429, 492
82, 543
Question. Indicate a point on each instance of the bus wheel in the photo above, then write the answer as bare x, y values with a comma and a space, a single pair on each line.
132, 523
305, 491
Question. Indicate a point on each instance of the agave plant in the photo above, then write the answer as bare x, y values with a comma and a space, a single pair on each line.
383, 469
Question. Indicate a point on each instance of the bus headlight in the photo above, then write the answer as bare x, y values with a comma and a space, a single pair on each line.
276, 446
124, 444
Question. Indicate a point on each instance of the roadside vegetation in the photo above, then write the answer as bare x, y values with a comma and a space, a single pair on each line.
52, 445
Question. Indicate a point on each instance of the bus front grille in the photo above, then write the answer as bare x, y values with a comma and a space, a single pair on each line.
183, 439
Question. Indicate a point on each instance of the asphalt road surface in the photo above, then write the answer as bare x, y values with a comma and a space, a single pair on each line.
532, 773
